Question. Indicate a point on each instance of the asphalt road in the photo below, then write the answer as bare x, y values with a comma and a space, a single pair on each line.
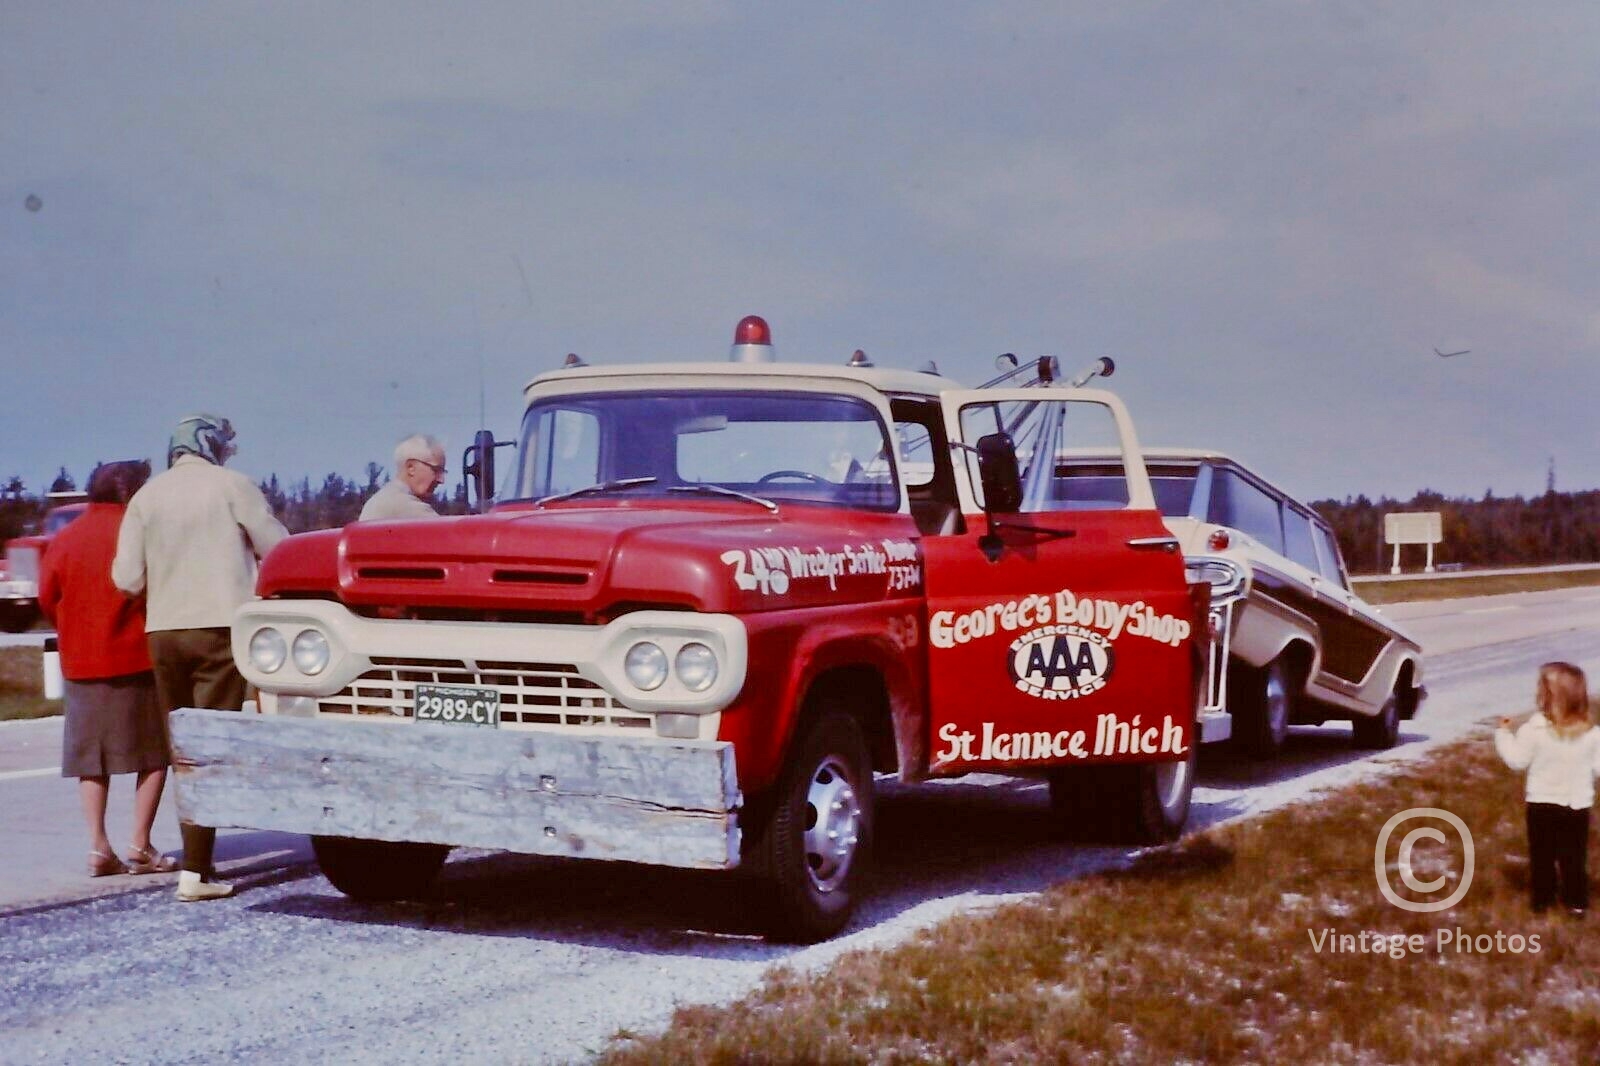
526, 959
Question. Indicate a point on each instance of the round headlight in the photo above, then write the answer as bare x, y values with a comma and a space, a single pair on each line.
268, 649
310, 652
696, 666
646, 665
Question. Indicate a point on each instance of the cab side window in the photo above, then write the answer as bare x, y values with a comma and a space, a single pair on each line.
925, 466
1069, 452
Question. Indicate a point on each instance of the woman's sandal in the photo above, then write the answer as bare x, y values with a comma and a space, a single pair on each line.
105, 864
148, 860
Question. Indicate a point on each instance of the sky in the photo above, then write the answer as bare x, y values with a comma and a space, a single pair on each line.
338, 224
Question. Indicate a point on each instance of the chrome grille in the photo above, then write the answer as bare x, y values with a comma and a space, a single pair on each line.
23, 563
532, 695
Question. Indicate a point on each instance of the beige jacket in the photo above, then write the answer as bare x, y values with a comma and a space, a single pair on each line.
191, 539
394, 500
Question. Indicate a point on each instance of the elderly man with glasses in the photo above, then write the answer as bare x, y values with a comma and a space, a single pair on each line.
418, 470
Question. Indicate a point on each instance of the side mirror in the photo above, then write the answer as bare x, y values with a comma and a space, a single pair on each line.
998, 473
477, 466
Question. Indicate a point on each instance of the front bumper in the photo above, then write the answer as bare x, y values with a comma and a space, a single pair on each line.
668, 803
18, 591
548, 676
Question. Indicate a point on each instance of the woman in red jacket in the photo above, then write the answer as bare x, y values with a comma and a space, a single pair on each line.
114, 723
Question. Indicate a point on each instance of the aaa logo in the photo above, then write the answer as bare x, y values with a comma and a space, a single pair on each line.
1060, 662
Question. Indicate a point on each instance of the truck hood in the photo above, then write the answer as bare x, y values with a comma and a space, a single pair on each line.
581, 562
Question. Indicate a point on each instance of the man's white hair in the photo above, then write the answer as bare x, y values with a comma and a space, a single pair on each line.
417, 446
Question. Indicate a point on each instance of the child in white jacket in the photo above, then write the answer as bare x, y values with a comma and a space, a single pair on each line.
1560, 749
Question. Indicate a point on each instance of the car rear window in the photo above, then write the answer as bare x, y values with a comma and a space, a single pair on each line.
1299, 543
1245, 506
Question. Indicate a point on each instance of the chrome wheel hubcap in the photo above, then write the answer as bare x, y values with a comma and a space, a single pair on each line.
833, 824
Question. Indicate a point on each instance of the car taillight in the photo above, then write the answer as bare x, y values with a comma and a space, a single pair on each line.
1218, 541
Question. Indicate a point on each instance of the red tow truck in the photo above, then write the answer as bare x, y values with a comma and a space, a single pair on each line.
710, 603
19, 573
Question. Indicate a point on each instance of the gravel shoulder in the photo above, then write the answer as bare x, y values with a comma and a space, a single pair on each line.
537, 960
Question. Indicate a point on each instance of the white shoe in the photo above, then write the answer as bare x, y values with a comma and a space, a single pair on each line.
191, 889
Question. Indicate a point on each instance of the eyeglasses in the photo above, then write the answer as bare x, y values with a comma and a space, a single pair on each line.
438, 471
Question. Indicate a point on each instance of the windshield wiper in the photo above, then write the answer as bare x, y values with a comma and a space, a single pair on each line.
719, 490
598, 487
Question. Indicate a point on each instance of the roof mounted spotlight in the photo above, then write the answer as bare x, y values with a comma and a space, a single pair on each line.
859, 358
752, 341
572, 360
1005, 361
1102, 367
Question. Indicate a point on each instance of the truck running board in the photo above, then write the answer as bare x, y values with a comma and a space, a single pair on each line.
664, 802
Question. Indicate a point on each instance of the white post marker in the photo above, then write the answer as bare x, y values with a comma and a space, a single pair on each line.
54, 686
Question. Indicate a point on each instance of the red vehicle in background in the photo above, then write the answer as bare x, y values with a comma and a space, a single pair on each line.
715, 600
19, 575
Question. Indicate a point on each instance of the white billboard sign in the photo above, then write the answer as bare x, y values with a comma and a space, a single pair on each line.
1413, 527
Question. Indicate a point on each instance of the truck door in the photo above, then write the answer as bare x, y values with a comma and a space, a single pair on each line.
1062, 633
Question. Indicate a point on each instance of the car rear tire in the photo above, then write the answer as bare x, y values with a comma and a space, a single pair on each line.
1124, 803
1264, 704
379, 869
1380, 731
817, 841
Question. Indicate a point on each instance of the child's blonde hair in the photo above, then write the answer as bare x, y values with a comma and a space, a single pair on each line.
1563, 698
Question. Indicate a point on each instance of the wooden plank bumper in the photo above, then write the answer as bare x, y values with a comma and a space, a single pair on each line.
666, 802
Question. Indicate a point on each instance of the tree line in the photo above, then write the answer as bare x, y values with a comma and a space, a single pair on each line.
337, 501
299, 505
1555, 527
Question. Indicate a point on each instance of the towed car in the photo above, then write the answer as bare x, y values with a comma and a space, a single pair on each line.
1293, 642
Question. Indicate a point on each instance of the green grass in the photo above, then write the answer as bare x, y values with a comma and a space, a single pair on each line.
22, 685
1202, 953
1445, 588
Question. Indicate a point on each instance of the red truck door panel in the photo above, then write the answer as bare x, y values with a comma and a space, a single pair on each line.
1069, 641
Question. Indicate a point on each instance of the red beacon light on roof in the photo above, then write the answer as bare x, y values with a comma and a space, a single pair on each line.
752, 341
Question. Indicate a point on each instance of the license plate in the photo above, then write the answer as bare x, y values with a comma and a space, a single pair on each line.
460, 704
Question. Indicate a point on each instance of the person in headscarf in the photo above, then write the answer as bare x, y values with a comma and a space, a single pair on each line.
190, 541
113, 722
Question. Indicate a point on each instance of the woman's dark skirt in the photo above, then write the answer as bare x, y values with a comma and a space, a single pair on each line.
114, 725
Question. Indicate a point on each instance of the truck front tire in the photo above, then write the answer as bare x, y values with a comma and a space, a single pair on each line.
378, 869
818, 837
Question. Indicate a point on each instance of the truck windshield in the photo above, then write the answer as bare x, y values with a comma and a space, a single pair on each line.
779, 446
